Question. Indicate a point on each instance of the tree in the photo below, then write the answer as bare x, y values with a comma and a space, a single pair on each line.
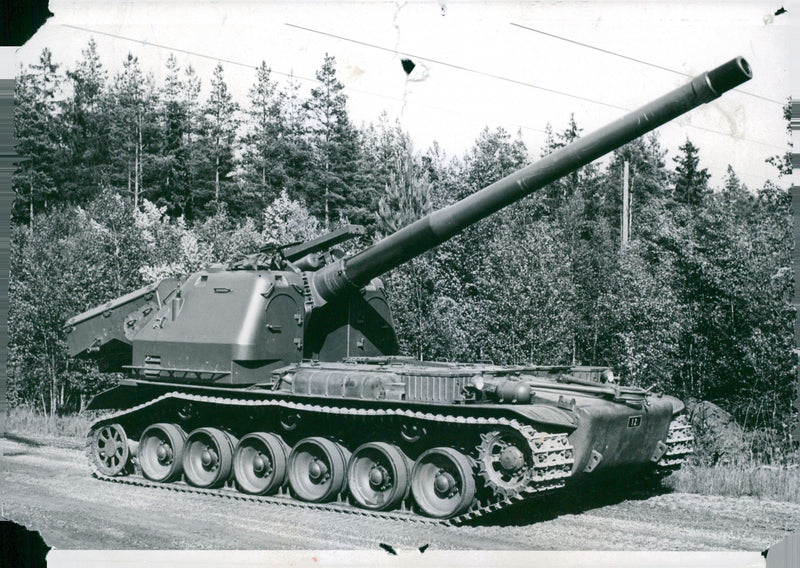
87, 127
385, 151
730, 272
737, 194
731, 184
592, 216
297, 154
443, 173
642, 321
220, 122
192, 140
691, 181
264, 172
39, 134
81, 257
406, 197
131, 104
493, 156
526, 312
287, 221
460, 278
77, 259
37, 302
335, 145
178, 129
783, 163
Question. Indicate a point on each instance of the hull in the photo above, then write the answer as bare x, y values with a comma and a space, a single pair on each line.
394, 439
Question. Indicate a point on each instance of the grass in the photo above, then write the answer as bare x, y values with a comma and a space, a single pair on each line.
776, 483
24, 421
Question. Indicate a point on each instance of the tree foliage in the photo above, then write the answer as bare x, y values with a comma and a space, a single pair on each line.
691, 181
335, 148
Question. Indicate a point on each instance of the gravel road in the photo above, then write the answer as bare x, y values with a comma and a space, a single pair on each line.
49, 489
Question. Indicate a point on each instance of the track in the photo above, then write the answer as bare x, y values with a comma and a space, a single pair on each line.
553, 456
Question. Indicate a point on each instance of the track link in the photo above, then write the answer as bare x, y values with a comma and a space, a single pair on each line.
680, 444
552, 464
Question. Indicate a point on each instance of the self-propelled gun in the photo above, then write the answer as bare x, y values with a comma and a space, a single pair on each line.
279, 376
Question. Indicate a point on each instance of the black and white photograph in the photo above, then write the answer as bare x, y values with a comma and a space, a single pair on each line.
347, 283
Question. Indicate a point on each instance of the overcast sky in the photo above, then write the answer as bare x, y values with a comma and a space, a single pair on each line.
477, 64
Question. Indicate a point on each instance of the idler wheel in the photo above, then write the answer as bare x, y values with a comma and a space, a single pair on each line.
259, 463
317, 469
505, 461
378, 475
109, 449
442, 483
208, 457
160, 451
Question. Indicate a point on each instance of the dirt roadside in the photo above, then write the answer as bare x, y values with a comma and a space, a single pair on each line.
49, 489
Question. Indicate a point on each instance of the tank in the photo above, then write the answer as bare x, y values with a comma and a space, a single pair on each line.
278, 377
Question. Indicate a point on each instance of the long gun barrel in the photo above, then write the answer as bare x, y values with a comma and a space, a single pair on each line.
428, 232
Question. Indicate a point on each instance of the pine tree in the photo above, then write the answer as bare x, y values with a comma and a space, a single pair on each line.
220, 123
87, 127
443, 174
39, 134
297, 154
384, 148
262, 162
335, 146
178, 106
406, 197
131, 104
192, 138
732, 184
691, 181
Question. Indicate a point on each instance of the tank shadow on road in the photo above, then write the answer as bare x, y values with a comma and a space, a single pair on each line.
574, 500
24, 440
37, 442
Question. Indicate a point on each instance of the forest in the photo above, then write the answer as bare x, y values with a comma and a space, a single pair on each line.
123, 181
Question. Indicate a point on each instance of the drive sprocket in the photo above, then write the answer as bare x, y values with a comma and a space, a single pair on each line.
505, 461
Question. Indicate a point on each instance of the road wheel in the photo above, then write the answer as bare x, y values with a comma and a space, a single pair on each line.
160, 451
378, 475
259, 463
208, 457
442, 483
317, 469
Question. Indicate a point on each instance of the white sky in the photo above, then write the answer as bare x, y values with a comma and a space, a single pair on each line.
452, 105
